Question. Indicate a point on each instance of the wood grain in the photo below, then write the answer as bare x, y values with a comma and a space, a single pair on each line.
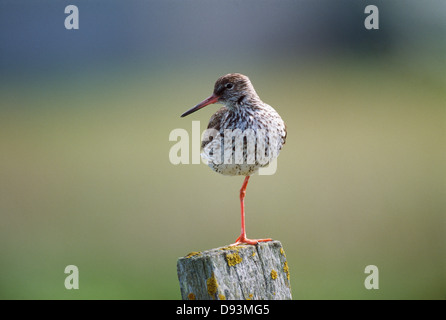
243, 272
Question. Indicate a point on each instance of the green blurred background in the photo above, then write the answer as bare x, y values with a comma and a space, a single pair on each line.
85, 117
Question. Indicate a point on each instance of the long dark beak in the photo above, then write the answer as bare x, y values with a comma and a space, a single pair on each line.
202, 104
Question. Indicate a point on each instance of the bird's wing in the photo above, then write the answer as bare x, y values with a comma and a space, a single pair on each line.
215, 123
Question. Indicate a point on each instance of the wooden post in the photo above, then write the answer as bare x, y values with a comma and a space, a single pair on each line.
243, 272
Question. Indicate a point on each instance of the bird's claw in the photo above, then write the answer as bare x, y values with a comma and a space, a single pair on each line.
243, 240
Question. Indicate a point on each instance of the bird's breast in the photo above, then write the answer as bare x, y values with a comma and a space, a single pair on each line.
246, 139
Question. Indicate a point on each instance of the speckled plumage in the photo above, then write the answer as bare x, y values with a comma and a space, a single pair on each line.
256, 120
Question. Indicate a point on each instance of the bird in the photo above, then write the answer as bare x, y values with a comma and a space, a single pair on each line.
242, 136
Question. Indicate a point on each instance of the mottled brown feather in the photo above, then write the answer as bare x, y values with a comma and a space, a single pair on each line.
215, 123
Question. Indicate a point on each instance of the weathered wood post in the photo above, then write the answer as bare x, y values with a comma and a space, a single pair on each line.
241, 272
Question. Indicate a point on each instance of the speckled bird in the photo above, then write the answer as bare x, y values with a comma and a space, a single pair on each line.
245, 124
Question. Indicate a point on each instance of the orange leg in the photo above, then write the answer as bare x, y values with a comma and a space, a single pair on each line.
242, 238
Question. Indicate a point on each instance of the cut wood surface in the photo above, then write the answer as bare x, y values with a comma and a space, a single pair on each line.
243, 272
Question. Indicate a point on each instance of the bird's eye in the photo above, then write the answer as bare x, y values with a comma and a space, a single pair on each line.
229, 86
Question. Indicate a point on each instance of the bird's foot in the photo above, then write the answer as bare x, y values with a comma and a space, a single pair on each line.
243, 240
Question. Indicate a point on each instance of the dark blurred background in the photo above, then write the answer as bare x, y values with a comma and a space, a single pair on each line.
85, 117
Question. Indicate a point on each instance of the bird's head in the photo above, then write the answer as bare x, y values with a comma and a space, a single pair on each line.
230, 90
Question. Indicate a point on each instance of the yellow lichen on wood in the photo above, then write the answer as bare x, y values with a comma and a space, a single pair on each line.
212, 285
194, 253
273, 274
191, 296
250, 296
230, 248
286, 270
221, 297
233, 259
